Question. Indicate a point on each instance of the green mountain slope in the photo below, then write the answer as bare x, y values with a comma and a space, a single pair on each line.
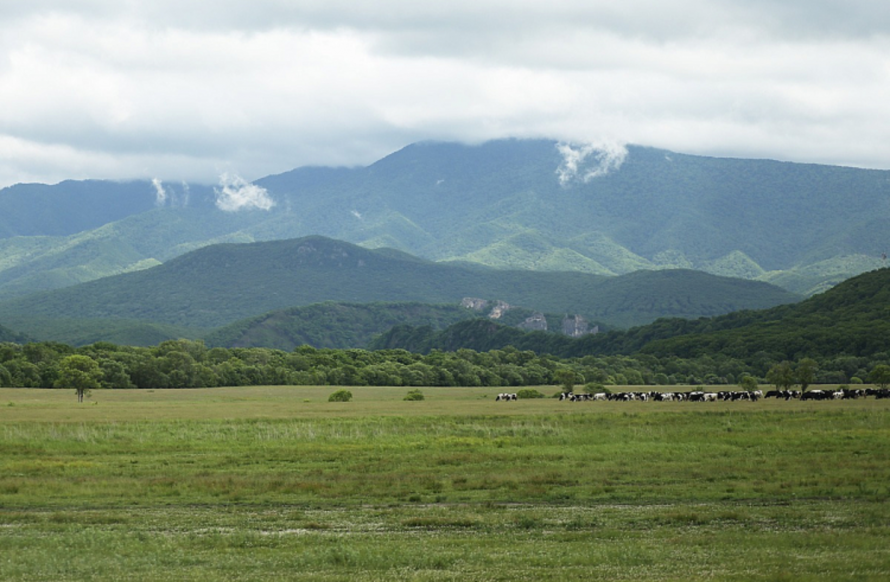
8, 335
71, 206
849, 321
220, 284
332, 325
140, 241
500, 203
353, 325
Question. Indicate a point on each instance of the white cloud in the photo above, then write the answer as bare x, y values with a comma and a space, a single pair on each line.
588, 161
235, 193
111, 89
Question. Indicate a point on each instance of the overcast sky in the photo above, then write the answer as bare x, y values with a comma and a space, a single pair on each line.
191, 90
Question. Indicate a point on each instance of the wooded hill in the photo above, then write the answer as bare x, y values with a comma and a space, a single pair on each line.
338, 325
851, 320
7, 335
511, 203
218, 285
332, 325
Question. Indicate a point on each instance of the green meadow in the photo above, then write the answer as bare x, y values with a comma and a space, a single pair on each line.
277, 483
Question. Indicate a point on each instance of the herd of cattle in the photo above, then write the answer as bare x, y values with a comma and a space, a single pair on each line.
725, 395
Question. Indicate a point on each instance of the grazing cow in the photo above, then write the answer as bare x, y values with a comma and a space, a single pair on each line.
816, 395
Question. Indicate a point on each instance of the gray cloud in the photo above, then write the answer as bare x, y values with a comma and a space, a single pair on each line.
653, 19
112, 89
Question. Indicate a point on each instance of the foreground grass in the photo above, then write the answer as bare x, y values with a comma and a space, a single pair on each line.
804, 540
276, 483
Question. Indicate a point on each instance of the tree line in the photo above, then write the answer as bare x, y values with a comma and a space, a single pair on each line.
191, 364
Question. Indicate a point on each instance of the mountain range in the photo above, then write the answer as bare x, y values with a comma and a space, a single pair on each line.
513, 204
218, 285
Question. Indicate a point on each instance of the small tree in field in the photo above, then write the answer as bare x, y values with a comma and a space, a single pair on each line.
880, 375
781, 376
79, 372
748, 383
566, 379
806, 372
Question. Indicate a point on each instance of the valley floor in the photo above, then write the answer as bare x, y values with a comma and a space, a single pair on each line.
276, 483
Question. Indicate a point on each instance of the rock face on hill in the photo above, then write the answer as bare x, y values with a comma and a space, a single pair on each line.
534, 322
572, 326
577, 326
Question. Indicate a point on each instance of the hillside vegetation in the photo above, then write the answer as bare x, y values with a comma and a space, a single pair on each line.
511, 204
849, 320
331, 324
8, 335
221, 284
841, 336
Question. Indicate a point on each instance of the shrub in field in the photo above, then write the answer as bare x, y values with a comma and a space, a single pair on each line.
340, 396
529, 393
595, 387
414, 395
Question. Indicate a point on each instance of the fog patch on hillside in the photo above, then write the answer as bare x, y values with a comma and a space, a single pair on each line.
583, 163
235, 193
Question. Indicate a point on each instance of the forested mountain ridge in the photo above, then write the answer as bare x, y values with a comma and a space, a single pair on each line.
8, 335
851, 320
70, 207
220, 284
517, 204
338, 325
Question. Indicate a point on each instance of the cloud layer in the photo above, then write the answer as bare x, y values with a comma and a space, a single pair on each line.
179, 90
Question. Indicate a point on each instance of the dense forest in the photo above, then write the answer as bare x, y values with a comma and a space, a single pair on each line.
191, 364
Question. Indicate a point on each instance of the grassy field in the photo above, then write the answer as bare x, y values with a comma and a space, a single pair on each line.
276, 483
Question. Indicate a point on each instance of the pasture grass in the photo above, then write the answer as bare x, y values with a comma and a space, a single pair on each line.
277, 483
